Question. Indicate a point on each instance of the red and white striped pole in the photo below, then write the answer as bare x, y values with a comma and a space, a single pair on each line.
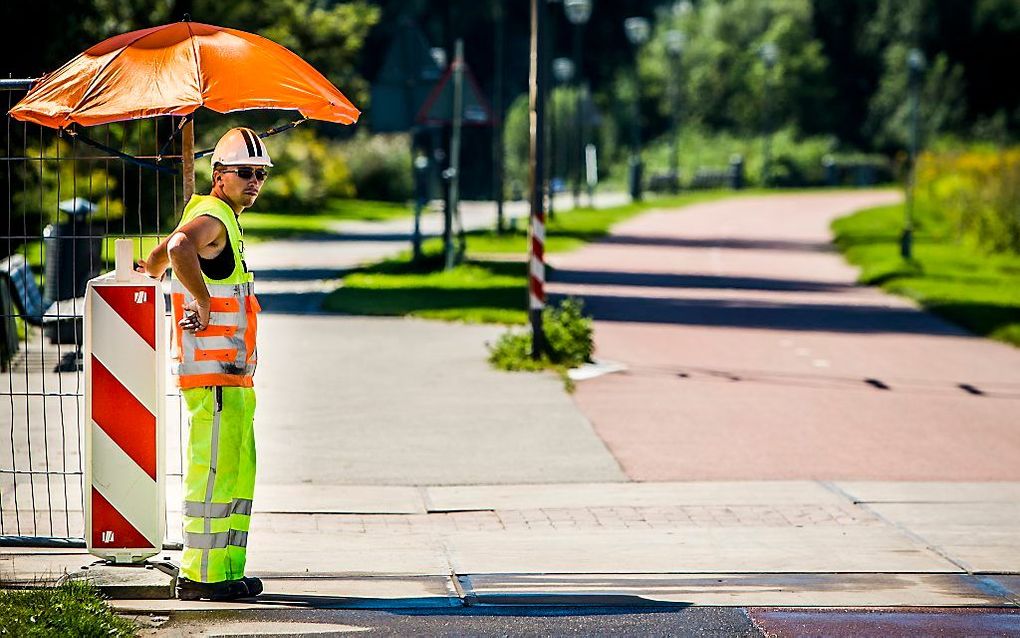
536, 245
125, 377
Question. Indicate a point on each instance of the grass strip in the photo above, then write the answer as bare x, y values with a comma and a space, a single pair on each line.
956, 281
490, 286
74, 608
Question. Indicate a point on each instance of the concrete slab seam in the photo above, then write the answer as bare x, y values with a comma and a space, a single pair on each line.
995, 589
836, 489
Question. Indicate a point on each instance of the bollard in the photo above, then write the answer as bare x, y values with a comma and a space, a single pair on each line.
125, 377
736, 172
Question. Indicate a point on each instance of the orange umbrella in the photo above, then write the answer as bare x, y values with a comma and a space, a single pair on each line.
174, 69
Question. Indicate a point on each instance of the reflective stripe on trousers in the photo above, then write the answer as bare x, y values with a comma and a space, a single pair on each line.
219, 482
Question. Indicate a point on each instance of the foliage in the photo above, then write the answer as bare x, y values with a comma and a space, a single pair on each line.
940, 102
795, 160
563, 145
380, 166
74, 608
723, 80
569, 339
977, 193
961, 283
307, 171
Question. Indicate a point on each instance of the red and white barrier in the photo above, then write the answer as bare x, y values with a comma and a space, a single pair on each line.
125, 380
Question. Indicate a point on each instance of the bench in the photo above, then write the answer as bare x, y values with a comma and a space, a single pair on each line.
36, 310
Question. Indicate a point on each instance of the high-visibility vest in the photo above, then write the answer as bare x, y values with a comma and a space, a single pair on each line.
224, 353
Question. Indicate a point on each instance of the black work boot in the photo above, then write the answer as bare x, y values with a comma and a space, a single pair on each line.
222, 591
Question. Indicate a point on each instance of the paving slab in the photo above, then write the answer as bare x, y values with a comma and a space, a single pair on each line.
931, 491
129, 582
326, 554
796, 590
339, 499
982, 537
43, 567
710, 550
510, 497
391, 401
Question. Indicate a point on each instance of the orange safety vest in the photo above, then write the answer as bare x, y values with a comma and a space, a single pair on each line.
223, 354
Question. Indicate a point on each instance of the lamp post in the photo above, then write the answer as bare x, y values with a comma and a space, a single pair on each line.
915, 71
563, 73
637, 30
675, 41
769, 53
578, 12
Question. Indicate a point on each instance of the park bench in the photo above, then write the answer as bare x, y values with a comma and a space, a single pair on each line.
19, 282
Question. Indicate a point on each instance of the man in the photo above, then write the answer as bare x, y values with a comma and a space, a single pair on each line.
214, 313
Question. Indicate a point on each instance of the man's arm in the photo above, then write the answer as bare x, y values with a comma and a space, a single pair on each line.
180, 251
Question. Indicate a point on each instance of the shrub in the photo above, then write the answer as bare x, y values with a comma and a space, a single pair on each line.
569, 337
380, 167
976, 193
307, 170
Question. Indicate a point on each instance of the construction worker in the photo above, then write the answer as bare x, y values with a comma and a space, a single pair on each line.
214, 314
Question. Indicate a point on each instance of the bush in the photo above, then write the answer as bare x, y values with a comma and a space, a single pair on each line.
307, 171
569, 336
976, 193
380, 167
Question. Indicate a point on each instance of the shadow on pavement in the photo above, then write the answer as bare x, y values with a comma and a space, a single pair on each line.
298, 274
766, 315
666, 280
721, 242
521, 604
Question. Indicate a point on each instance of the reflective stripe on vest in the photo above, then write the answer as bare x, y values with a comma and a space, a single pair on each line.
223, 353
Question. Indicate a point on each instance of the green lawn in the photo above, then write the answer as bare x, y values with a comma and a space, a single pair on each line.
978, 291
491, 285
74, 608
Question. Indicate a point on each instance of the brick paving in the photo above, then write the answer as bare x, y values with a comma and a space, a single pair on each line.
578, 519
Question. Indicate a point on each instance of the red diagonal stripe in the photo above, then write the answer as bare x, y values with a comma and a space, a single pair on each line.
129, 423
538, 289
140, 316
537, 249
106, 518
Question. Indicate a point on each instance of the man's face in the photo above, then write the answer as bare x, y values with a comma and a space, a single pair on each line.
241, 184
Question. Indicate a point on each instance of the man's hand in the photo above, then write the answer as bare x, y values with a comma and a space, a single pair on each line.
196, 316
150, 270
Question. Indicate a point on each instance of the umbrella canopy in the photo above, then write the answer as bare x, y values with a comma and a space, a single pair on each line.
174, 69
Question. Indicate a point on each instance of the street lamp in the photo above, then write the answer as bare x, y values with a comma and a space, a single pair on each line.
769, 54
675, 41
637, 30
915, 71
578, 12
563, 73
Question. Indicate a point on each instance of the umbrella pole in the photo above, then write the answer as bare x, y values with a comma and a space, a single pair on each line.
188, 159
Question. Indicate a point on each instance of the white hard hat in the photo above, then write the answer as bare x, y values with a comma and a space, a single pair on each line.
241, 147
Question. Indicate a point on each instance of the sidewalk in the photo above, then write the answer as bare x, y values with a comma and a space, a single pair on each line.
398, 471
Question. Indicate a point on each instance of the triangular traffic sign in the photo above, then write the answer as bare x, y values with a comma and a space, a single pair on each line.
438, 108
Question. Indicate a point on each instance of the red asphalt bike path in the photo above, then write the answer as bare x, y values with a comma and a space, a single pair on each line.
752, 354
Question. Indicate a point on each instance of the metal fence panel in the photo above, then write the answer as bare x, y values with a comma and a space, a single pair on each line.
63, 204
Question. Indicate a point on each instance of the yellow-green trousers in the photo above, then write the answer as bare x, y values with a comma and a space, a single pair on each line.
219, 482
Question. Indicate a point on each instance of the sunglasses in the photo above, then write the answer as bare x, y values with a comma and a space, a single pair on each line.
247, 173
